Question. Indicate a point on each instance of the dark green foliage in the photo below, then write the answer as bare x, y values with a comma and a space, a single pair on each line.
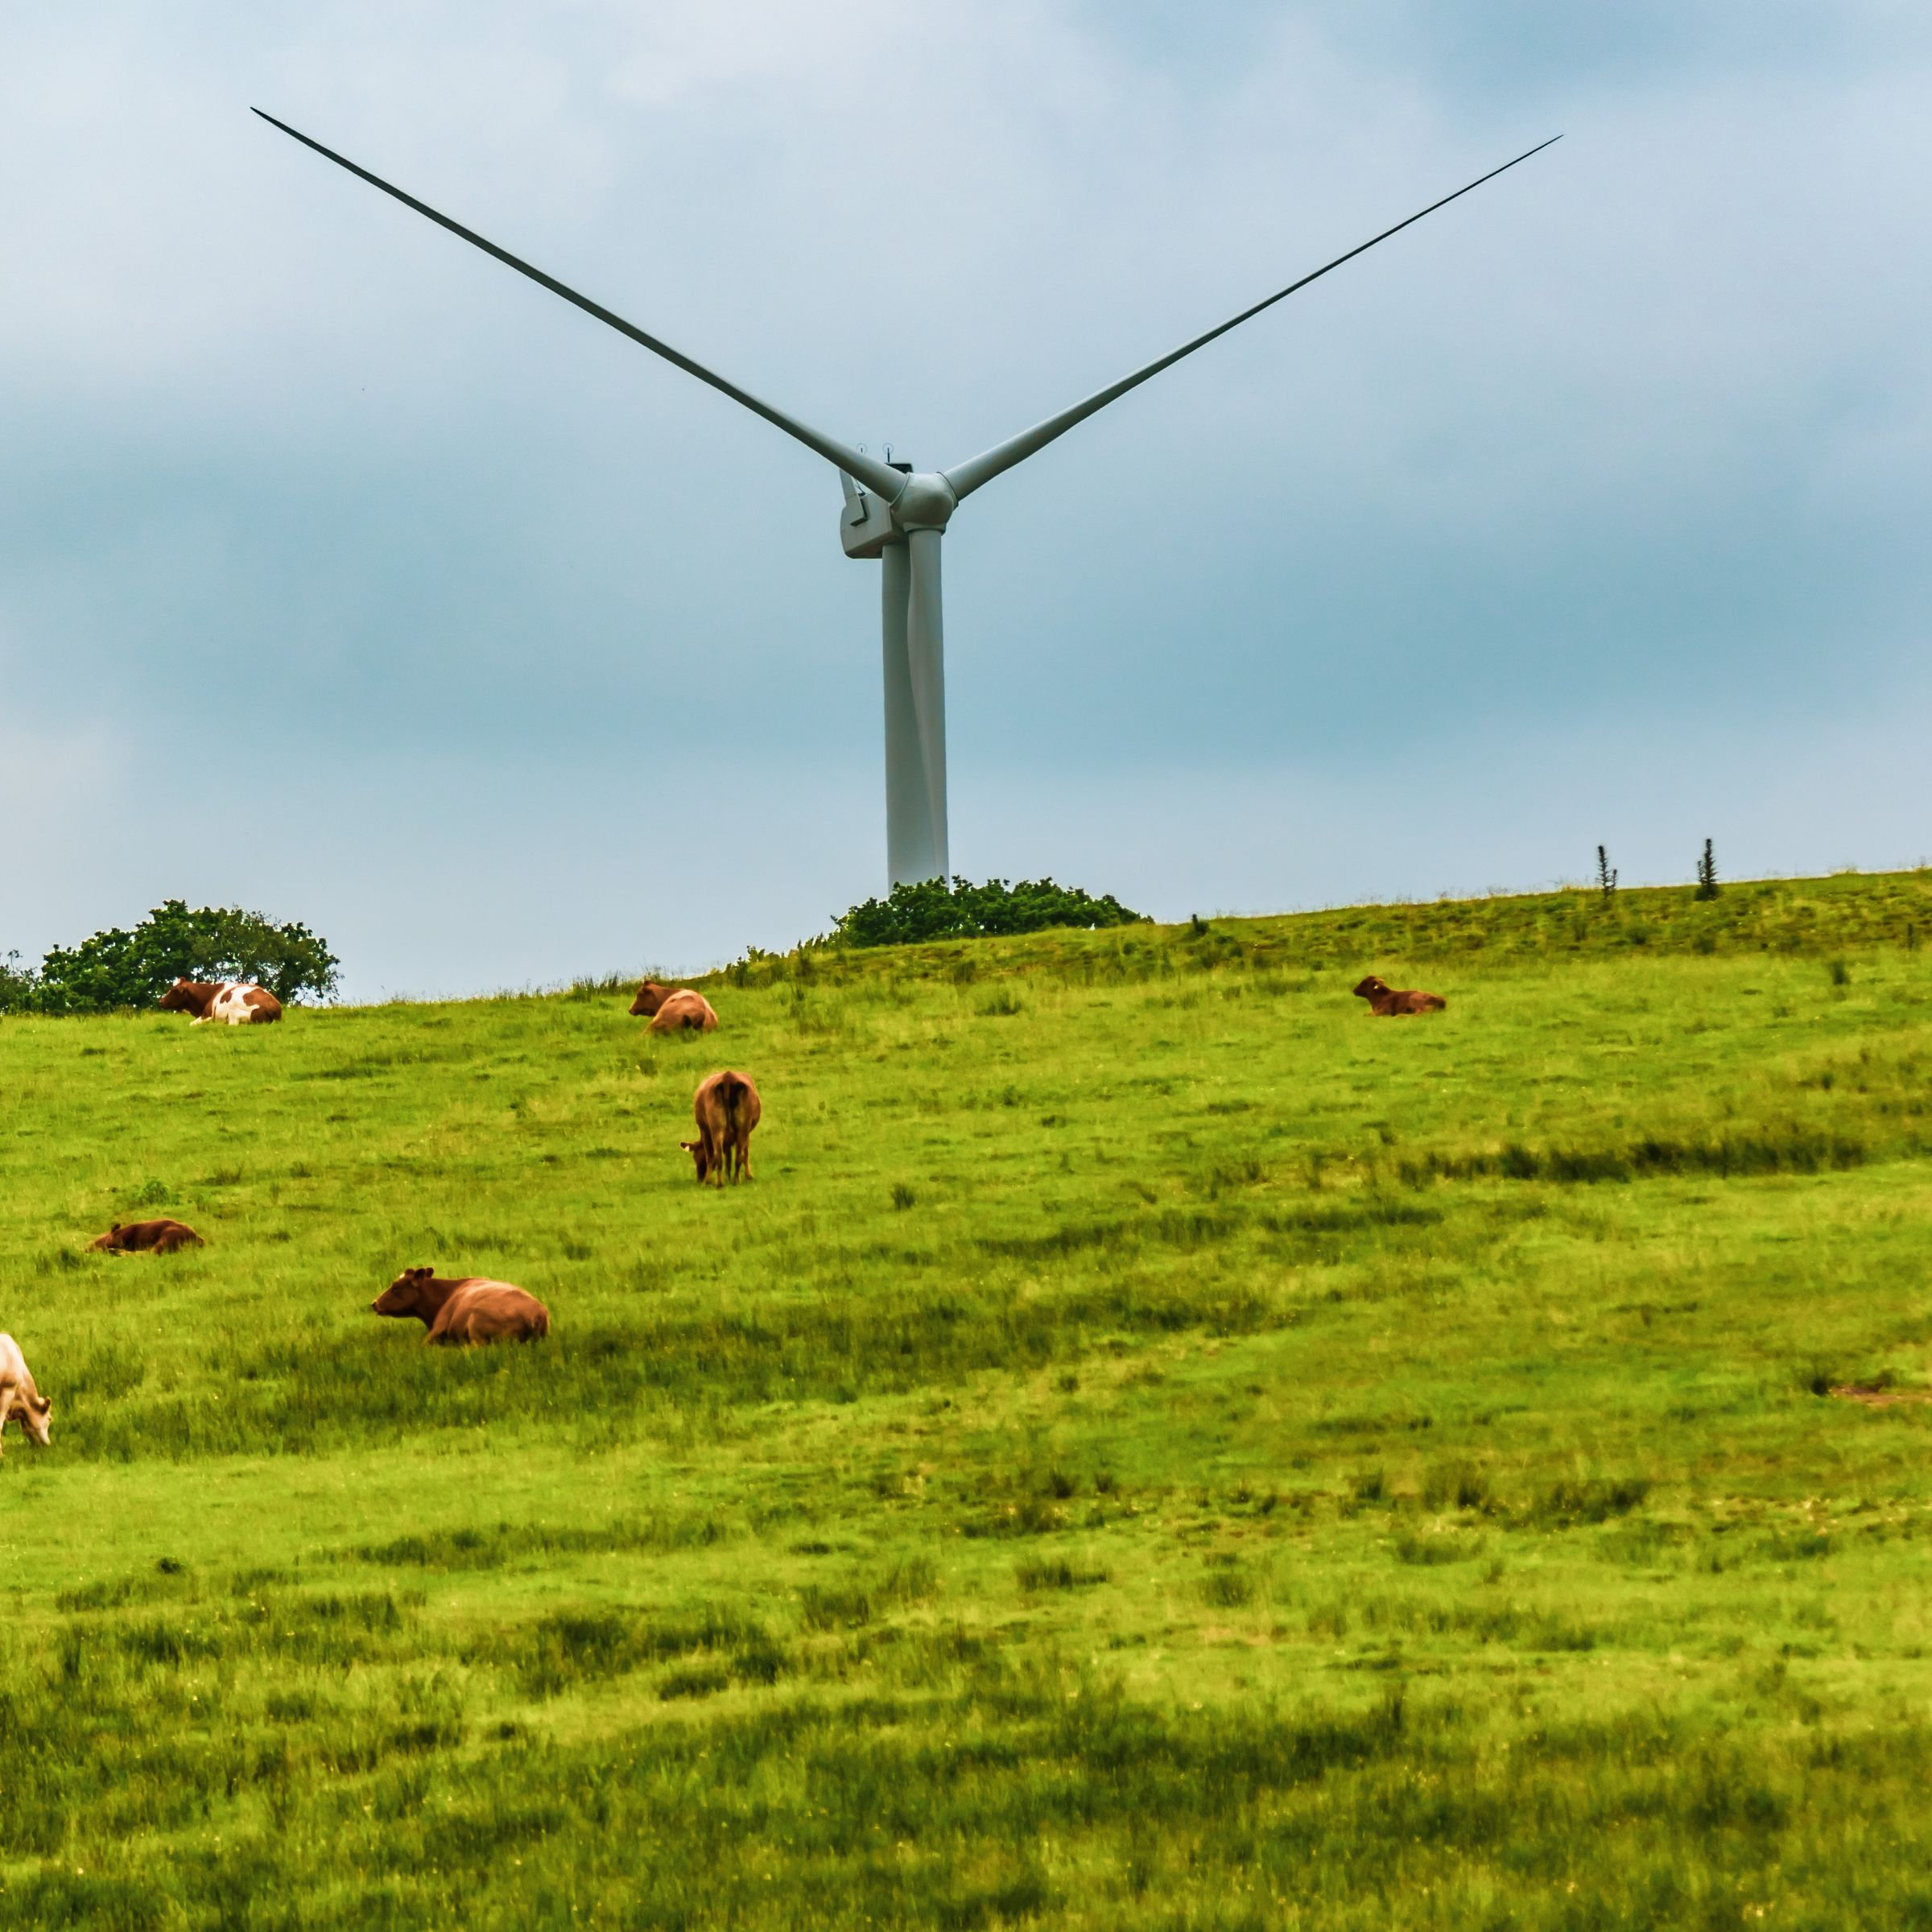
119, 968
935, 910
1793, 1148
1587, 1500
1606, 875
1058, 1574
1707, 874
19, 986
568, 1648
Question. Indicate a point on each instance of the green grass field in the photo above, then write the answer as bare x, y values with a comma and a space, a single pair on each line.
1153, 1448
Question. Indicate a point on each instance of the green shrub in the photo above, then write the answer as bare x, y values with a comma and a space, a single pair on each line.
19, 986
936, 909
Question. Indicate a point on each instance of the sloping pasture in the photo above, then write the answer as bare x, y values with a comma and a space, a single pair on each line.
1154, 1446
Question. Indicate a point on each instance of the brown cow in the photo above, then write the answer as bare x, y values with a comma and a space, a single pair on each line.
684, 1012
726, 1108
19, 1397
475, 1309
651, 997
1385, 1000
240, 1002
162, 1237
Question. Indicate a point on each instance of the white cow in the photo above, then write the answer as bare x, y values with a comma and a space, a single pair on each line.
19, 1397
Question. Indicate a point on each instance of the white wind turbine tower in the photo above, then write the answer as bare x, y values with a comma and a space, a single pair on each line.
899, 515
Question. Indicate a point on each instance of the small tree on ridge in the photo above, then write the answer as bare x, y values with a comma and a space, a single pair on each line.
1707, 874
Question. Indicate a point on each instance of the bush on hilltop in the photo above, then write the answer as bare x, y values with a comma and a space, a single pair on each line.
937, 909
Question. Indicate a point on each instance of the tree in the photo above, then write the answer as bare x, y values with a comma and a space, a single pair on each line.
19, 985
1707, 875
134, 968
1606, 875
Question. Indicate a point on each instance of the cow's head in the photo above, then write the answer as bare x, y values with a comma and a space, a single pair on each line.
651, 997
696, 1149
407, 1294
1371, 988
35, 1413
184, 996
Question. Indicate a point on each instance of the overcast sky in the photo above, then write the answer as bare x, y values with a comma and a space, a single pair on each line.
345, 575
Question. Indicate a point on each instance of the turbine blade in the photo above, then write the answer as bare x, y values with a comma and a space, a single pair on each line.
887, 481
967, 476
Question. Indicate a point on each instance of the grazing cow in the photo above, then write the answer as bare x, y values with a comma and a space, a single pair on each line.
237, 1002
684, 1012
475, 1309
19, 1397
726, 1108
147, 1237
1385, 1000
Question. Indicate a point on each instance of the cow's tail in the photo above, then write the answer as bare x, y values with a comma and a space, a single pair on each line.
733, 1093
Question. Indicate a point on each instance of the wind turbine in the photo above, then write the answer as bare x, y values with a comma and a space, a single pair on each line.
898, 515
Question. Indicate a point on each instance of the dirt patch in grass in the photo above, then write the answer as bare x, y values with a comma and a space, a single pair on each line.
1874, 1397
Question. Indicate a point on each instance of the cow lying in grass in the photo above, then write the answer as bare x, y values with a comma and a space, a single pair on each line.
474, 1309
726, 1108
674, 1009
236, 1001
147, 1237
1384, 999
19, 1397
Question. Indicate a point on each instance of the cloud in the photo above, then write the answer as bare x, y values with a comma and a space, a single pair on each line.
312, 503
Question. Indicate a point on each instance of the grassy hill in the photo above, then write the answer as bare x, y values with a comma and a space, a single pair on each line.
1154, 1446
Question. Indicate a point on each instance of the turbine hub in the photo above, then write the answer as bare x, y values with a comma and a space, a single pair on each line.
926, 503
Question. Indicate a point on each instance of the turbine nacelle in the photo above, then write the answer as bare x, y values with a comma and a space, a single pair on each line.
868, 523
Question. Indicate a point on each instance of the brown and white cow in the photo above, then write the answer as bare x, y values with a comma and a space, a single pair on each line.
1385, 1000
240, 1002
474, 1309
19, 1397
726, 1108
684, 1012
147, 1237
